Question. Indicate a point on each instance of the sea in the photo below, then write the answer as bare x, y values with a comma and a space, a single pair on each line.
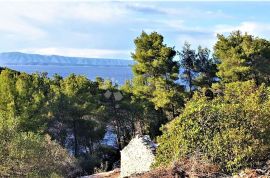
117, 74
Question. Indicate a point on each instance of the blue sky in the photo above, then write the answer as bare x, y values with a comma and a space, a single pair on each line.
107, 29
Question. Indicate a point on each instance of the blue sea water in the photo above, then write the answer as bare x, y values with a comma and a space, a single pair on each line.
118, 74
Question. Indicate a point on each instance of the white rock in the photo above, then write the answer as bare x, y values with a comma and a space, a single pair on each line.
137, 156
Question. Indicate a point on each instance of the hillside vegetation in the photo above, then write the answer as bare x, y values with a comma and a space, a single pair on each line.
54, 127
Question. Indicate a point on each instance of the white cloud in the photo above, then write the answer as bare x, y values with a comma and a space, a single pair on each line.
175, 24
195, 41
96, 12
98, 53
12, 24
16, 27
254, 28
16, 19
195, 13
28, 19
31, 24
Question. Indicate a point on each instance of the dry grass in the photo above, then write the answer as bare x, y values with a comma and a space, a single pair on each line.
197, 166
192, 167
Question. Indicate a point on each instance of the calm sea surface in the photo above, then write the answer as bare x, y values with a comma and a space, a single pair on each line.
117, 74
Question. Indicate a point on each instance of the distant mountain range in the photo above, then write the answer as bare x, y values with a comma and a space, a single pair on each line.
18, 58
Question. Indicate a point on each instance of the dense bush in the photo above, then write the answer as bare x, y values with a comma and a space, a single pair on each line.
232, 129
28, 154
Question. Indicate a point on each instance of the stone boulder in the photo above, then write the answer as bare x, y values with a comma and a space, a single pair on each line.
138, 156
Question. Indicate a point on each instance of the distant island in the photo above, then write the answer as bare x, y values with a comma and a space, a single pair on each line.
18, 58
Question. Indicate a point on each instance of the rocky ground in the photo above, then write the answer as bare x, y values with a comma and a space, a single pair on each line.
111, 174
188, 171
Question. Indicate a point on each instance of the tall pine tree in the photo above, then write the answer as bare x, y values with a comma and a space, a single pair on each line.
156, 73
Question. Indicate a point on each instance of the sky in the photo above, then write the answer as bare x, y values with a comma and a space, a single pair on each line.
106, 29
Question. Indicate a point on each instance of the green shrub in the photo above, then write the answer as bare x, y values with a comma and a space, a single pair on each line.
26, 154
232, 129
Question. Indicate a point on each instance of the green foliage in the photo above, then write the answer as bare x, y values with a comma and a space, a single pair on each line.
25, 97
77, 111
155, 72
242, 57
232, 129
199, 69
101, 161
205, 68
227, 124
29, 154
67, 109
32, 101
187, 62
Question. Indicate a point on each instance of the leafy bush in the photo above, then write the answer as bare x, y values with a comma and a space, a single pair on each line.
28, 154
232, 129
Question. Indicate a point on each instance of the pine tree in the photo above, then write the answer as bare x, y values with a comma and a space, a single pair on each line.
243, 57
205, 67
187, 63
156, 73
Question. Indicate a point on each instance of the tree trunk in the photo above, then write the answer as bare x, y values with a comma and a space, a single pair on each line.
190, 83
76, 153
